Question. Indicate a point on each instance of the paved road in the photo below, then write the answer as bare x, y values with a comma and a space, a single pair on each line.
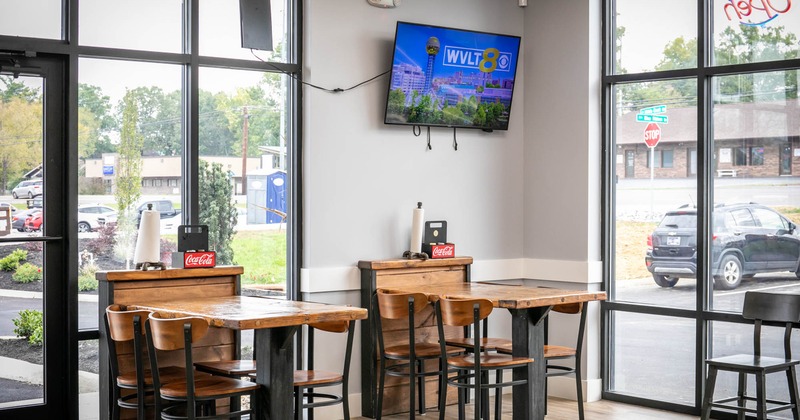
11, 306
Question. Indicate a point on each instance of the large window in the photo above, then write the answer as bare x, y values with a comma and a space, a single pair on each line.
702, 174
165, 108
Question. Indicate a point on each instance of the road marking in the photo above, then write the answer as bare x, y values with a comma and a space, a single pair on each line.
758, 290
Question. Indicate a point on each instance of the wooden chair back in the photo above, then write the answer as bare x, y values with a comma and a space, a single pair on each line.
332, 326
396, 305
120, 322
568, 308
772, 307
461, 312
168, 333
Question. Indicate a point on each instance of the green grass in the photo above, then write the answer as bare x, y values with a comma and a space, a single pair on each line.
263, 256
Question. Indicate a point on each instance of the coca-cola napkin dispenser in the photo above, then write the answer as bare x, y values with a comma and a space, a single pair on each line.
435, 240
193, 248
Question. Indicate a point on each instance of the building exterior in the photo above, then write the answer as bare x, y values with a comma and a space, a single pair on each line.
750, 140
161, 174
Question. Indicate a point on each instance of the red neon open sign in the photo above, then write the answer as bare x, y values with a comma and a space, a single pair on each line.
756, 12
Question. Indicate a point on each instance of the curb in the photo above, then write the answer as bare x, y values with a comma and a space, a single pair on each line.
21, 294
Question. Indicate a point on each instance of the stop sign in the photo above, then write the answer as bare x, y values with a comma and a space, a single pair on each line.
652, 134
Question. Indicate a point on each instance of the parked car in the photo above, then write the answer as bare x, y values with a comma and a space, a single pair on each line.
92, 216
10, 206
163, 207
34, 221
35, 202
27, 188
746, 239
18, 218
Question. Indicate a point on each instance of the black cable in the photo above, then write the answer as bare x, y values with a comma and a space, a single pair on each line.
429, 138
455, 141
335, 90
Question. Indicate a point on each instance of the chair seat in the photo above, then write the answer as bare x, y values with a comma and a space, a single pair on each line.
489, 361
752, 363
208, 387
167, 374
309, 378
229, 368
550, 352
489, 343
422, 350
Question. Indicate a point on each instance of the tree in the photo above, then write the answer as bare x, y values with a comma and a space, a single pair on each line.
128, 182
20, 139
159, 119
92, 101
216, 137
217, 211
11, 89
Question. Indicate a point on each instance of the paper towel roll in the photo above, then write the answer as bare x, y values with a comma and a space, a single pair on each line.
417, 222
148, 243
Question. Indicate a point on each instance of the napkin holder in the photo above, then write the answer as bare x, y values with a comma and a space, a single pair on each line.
193, 248
435, 241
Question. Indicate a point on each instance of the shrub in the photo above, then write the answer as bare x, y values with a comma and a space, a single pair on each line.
34, 246
30, 326
11, 261
86, 278
27, 273
105, 241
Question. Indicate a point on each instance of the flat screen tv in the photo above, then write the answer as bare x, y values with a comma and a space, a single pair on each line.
451, 77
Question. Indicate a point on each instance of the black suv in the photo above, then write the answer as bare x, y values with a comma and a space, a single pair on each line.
746, 239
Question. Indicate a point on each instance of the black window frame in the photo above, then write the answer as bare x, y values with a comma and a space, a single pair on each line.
702, 314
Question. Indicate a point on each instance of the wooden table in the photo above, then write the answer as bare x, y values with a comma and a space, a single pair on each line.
275, 322
528, 306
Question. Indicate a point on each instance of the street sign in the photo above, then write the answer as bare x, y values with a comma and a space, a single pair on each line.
652, 134
652, 118
654, 110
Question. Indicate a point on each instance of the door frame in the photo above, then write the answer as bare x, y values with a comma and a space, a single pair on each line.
59, 240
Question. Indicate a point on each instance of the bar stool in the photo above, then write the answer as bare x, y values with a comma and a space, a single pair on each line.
759, 307
166, 334
411, 356
460, 313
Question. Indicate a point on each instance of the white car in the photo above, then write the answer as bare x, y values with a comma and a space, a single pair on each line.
89, 216
27, 189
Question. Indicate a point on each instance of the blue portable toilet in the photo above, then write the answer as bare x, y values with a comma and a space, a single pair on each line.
276, 196
266, 196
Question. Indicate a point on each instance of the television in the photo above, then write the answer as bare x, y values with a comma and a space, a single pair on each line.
450, 77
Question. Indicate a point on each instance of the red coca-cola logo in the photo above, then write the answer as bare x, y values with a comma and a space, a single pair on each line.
199, 259
443, 251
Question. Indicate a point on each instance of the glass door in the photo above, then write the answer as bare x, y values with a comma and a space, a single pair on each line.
34, 321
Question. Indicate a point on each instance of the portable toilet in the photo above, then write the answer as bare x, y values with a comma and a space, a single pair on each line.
266, 196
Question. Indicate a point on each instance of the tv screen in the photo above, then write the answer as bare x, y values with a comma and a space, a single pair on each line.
451, 77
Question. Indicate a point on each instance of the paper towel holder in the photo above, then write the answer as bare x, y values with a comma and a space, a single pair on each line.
412, 254
148, 265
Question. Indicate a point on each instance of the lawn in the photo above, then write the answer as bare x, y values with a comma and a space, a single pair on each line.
262, 254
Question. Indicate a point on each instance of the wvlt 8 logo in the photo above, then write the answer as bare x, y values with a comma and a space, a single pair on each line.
486, 60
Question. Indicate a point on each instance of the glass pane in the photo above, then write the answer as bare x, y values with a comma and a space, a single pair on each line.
650, 36
88, 379
18, 16
21, 322
751, 32
639, 340
655, 220
242, 113
729, 339
755, 243
220, 32
152, 25
130, 142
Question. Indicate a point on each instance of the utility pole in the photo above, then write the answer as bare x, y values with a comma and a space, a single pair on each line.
245, 117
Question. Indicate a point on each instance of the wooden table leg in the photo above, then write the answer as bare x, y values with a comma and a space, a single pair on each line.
527, 332
275, 372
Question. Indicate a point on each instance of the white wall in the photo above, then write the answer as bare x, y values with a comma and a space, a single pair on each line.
363, 178
524, 203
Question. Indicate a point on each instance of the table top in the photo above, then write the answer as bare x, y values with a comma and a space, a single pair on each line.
502, 296
249, 312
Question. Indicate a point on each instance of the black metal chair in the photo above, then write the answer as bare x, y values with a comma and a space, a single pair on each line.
759, 307
194, 393
473, 367
125, 327
306, 381
411, 356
